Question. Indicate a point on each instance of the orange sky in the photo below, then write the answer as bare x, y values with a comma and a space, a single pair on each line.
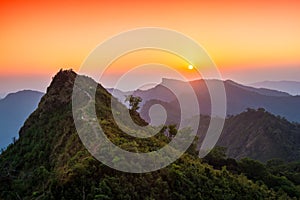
40, 37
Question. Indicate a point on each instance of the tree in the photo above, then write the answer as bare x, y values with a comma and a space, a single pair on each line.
216, 157
253, 169
163, 129
43, 174
133, 102
14, 140
172, 130
261, 110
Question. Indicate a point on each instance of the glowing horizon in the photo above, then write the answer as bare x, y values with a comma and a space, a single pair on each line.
243, 38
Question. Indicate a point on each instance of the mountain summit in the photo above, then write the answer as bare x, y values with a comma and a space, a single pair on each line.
239, 98
259, 135
50, 162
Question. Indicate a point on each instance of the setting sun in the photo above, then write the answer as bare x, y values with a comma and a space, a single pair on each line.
190, 67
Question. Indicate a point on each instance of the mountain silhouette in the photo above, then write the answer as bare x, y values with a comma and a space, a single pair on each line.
291, 87
256, 134
239, 98
49, 161
15, 108
259, 135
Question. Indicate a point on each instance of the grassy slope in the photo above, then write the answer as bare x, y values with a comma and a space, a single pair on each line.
50, 162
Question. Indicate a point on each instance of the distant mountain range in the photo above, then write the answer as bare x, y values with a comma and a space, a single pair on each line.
251, 130
49, 161
119, 94
14, 110
291, 87
2, 95
239, 98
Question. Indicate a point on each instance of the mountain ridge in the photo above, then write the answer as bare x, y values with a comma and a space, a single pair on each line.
170, 81
291, 87
15, 108
50, 162
239, 98
260, 135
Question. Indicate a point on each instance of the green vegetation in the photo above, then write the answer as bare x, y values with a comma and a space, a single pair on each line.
260, 135
133, 102
50, 162
276, 174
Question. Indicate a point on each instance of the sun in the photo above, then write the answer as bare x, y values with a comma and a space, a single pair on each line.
190, 67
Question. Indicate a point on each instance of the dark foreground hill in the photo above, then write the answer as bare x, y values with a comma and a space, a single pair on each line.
262, 136
256, 134
50, 162
14, 109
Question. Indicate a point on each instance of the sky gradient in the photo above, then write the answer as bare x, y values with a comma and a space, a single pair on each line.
248, 40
